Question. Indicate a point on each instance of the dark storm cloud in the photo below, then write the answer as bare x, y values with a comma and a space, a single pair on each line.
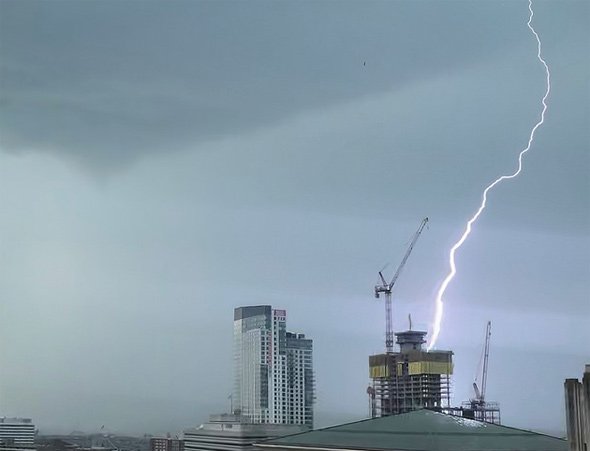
104, 82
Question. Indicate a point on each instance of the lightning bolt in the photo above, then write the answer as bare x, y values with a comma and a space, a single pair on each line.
453, 269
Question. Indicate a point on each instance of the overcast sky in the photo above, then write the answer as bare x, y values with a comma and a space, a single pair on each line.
163, 163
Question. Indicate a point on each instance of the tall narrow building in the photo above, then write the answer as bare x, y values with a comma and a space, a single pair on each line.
300, 381
273, 368
577, 412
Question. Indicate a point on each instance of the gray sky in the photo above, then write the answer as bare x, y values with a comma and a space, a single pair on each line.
162, 164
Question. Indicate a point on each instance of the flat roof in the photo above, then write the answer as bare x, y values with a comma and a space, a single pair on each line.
258, 431
15, 420
248, 311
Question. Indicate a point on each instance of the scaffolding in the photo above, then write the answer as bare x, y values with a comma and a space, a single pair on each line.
477, 408
410, 379
488, 412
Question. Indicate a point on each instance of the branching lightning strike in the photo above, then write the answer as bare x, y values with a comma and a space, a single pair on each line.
443, 287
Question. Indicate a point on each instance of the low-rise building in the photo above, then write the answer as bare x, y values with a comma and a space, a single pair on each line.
18, 433
234, 433
166, 444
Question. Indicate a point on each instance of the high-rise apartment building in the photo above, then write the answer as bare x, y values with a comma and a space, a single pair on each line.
273, 368
234, 433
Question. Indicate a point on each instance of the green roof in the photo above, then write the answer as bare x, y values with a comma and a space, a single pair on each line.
421, 430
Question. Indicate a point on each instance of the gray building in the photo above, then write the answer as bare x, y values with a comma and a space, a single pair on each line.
577, 412
166, 444
234, 433
273, 368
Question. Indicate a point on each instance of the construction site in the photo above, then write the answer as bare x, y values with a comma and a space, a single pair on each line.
408, 377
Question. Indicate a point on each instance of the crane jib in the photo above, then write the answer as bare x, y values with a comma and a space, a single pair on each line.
386, 288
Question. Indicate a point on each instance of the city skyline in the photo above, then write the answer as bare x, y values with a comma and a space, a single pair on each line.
160, 166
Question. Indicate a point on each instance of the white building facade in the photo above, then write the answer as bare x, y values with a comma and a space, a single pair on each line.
273, 368
16, 431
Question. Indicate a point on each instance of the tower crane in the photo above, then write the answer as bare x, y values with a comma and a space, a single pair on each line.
478, 407
480, 395
384, 287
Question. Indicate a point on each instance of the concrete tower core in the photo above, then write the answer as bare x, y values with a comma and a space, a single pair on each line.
411, 378
410, 340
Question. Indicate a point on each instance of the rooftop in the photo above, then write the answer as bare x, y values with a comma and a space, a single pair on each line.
16, 420
240, 426
421, 430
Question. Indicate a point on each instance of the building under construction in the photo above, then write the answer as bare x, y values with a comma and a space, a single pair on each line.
413, 378
410, 379
478, 407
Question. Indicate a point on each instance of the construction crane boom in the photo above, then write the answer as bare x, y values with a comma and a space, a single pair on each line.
386, 288
408, 252
478, 407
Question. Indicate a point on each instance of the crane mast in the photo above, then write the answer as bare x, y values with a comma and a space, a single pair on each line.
480, 395
478, 407
386, 288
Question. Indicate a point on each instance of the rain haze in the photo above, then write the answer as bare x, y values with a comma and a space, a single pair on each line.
161, 164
